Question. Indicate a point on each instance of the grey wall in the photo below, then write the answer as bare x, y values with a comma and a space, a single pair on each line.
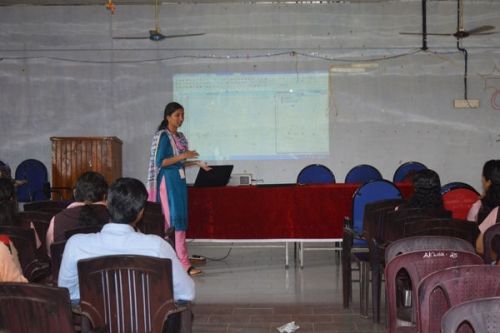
61, 74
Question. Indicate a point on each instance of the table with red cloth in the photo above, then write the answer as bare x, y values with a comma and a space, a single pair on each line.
280, 212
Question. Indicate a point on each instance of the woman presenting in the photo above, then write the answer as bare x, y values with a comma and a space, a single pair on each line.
167, 178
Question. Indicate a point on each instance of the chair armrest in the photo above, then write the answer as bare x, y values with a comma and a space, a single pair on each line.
37, 271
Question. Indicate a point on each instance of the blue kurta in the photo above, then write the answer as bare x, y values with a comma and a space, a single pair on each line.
176, 186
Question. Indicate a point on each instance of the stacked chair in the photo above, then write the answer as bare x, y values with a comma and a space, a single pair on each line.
480, 315
354, 243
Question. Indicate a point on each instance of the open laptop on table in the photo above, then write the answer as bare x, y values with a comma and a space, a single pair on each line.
218, 176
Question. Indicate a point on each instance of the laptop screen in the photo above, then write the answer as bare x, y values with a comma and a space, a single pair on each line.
218, 176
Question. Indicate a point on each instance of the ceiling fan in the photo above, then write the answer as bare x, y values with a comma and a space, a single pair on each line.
155, 34
460, 32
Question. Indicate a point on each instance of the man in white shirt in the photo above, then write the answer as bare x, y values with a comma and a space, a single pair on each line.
125, 202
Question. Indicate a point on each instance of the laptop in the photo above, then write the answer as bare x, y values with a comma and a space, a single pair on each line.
218, 176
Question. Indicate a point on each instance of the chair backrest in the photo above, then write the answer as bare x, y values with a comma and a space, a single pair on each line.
420, 243
88, 229
442, 227
456, 185
315, 174
361, 174
375, 213
126, 293
392, 227
34, 308
56, 253
153, 221
50, 206
418, 264
41, 222
24, 241
37, 185
448, 287
459, 201
491, 242
368, 193
480, 314
405, 169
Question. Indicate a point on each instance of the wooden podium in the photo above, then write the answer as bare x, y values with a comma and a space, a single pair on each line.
72, 156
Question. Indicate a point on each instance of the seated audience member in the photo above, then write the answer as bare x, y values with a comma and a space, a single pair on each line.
88, 209
10, 269
8, 203
126, 200
488, 213
426, 191
488, 168
9, 207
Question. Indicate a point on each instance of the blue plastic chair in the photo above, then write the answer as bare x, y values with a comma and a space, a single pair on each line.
37, 186
315, 174
312, 174
405, 169
370, 192
455, 185
362, 173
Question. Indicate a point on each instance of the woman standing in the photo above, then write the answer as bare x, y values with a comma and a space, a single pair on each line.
167, 178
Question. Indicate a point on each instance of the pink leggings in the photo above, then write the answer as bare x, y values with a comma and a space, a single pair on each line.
181, 249
180, 236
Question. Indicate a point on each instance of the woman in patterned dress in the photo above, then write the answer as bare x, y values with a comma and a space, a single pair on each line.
167, 177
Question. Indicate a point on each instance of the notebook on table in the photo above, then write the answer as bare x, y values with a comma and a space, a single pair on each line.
218, 176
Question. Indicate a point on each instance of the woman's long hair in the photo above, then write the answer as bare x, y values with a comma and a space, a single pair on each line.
169, 109
427, 190
491, 198
90, 187
8, 202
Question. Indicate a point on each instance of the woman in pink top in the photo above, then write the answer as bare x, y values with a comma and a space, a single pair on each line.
488, 168
490, 202
10, 270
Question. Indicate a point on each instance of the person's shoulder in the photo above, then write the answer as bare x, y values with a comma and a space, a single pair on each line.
149, 237
70, 211
78, 239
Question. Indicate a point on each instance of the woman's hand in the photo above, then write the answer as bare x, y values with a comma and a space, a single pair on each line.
190, 154
203, 165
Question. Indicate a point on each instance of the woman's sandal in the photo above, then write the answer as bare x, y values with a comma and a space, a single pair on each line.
193, 271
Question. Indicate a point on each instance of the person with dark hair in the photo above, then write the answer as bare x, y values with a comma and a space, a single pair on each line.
488, 169
8, 202
167, 179
126, 200
488, 213
9, 208
88, 209
426, 191
10, 269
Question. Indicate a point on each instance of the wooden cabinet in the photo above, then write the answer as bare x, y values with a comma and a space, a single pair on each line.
72, 156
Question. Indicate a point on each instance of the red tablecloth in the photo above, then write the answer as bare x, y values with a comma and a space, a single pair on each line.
271, 212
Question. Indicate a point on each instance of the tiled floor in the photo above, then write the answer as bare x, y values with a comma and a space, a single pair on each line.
251, 291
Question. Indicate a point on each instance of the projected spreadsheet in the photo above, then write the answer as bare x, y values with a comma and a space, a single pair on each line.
255, 116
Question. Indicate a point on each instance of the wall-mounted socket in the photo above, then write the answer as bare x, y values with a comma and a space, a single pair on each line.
466, 103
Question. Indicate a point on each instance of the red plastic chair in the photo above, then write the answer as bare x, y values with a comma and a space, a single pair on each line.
480, 314
443, 289
418, 264
459, 201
